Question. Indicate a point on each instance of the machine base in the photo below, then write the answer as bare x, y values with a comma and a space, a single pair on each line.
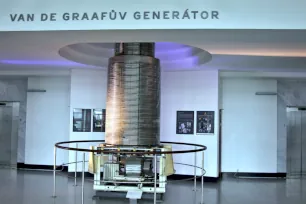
112, 194
127, 188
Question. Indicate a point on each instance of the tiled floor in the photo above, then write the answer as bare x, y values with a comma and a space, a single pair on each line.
33, 187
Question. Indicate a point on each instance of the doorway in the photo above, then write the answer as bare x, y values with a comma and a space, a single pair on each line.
9, 120
296, 142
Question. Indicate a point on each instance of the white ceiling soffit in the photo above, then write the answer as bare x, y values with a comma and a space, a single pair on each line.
229, 42
267, 75
257, 63
264, 50
30, 71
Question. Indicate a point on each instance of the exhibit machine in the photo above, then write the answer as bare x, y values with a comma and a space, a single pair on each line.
132, 125
131, 159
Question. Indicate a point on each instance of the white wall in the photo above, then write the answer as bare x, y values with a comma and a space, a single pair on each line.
249, 126
194, 91
47, 119
88, 91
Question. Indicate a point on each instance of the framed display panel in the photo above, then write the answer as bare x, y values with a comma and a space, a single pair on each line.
81, 120
205, 122
185, 122
98, 118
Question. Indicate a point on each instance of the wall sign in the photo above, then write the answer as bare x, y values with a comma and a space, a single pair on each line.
98, 118
205, 122
81, 120
184, 122
38, 15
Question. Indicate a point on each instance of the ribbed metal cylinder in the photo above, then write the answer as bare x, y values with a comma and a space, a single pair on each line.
143, 49
133, 96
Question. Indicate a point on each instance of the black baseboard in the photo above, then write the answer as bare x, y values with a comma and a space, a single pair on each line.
254, 175
181, 177
42, 167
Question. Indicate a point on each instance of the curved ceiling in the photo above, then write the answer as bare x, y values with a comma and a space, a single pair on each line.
172, 56
231, 49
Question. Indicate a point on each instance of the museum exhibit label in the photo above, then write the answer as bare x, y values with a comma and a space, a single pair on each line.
205, 122
98, 118
185, 122
81, 120
40, 15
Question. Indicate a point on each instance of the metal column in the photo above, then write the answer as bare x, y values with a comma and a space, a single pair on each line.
54, 174
195, 171
76, 165
202, 180
133, 95
155, 177
83, 177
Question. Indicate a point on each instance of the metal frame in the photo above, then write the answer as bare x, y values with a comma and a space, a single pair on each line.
101, 185
113, 149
